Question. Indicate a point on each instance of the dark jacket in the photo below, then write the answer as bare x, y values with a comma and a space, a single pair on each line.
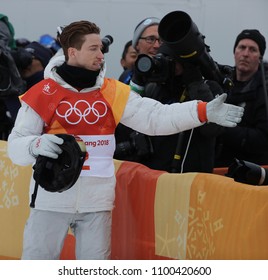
193, 150
126, 76
11, 83
249, 140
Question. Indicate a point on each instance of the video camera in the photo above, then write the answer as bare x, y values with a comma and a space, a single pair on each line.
181, 35
106, 42
247, 173
139, 146
158, 68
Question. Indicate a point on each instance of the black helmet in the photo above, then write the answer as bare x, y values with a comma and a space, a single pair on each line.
58, 175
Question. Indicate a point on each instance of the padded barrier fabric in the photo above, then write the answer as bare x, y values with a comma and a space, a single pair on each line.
157, 215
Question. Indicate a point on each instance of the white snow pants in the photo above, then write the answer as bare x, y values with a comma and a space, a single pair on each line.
45, 232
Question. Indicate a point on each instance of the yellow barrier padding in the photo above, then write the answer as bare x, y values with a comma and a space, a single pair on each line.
217, 219
172, 203
233, 217
14, 209
117, 164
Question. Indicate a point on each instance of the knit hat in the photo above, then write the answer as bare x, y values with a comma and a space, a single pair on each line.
252, 34
12, 42
39, 52
141, 27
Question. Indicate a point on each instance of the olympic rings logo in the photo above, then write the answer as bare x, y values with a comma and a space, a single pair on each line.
81, 110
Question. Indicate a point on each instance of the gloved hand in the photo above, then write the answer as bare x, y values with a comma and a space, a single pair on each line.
196, 87
142, 144
214, 87
46, 145
137, 82
199, 91
227, 115
138, 77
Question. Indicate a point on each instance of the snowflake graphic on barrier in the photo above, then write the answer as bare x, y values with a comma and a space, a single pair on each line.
201, 230
8, 173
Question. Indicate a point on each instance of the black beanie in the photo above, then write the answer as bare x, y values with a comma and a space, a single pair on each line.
252, 34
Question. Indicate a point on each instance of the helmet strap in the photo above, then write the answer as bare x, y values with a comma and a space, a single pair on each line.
33, 198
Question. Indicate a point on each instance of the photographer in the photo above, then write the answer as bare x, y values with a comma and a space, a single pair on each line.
31, 62
11, 83
175, 75
172, 81
249, 140
131, 145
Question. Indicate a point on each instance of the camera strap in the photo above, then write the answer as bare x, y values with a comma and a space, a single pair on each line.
178, 154
183, 96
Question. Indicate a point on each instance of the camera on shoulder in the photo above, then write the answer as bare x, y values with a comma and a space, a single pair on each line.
158, 68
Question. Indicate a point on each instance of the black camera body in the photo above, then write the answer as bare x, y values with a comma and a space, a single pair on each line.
106, 42
247, 173
139, 146
158, 68
181, 35
22, 58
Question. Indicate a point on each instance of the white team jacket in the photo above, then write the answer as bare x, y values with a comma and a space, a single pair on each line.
92, 194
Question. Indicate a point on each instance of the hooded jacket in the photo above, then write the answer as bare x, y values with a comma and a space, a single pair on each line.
94, 192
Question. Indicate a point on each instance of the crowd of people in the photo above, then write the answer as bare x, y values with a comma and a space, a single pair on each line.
180, 122
204, 148
22, 65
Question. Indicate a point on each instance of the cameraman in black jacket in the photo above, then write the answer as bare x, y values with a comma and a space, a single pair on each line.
249, 140
172, 81
193, 150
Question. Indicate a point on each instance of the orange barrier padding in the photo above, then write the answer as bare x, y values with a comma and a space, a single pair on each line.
220, 170
133, 234
234, 218
187, 216
226, 220
157, 215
